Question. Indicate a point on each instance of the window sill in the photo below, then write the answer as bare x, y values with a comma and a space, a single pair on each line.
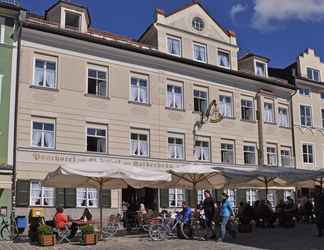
44, 88
140, 104
270, 123
284, 127
229, 117
249, 121
97, 96
97, 153
43, 149
175, 109
141, 157
172, 159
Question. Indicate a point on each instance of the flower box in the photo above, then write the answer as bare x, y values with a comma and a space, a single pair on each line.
46, 240
89, 239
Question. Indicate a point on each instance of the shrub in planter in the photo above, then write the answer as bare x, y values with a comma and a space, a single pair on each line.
45, 235
88, 234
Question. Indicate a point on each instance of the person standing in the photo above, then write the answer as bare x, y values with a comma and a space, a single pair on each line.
226, 211
209, 206
319, 211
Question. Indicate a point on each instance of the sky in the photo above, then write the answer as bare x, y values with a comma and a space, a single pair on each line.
277, 29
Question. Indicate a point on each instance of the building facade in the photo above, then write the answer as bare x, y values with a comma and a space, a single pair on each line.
89, 95
9, 13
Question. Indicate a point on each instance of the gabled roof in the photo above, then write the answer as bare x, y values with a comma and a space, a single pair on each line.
248, 55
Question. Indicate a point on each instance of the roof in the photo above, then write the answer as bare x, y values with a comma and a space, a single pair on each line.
248, 55
10, 6
121, 42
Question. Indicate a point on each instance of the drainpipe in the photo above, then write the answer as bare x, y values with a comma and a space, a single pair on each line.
260, 129
293, 81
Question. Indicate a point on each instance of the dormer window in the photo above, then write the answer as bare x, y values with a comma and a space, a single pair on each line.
72, 21
223, 59
260, 69
198, 24
313, 74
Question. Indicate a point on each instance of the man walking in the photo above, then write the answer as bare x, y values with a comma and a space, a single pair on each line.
226, 212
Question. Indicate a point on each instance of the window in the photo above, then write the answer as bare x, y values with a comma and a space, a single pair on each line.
231, 196
176, 146
247, 110
249, 154
283, 118
96, 139
306, 116
304, 91
198, 24
43, 135
224, 59
322, 95
200, 196
313, 74
271, 198
272, 156
176, 197
285, 155
174, 45
45, 74
322, 111
202, 150
174, 97
260, 69
139, 144
200, 99
97, 81
308, 153
288, 193
200, 52
227, 153
72, 21
41, 196
251, 196
139, 89
268, 112
2, 30
87, 197
226, 106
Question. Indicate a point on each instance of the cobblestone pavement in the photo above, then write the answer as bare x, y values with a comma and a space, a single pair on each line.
301, 238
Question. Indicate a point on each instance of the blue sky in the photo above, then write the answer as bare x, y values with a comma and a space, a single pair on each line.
278, 29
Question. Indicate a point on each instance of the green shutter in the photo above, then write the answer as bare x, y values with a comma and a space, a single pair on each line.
106, 198
69, 197
59, 197
280, 195
164, 198
22, 193
240, 196
188, 196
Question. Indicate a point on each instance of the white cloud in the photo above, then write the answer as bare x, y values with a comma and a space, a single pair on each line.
237, 9
268, 14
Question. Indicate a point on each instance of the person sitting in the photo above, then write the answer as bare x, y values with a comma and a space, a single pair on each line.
141, 214
186, 212
60, 219
86, 216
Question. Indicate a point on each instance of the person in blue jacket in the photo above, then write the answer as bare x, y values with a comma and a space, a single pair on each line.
186, 212
226, 211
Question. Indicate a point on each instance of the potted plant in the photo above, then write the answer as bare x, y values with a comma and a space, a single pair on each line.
45, 235
88, 234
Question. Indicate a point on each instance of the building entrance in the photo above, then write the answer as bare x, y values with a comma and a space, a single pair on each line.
147, 196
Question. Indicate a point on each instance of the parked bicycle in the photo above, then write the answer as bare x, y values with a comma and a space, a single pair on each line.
4, 228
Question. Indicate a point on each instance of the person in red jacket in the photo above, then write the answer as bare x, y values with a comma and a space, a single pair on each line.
61, 219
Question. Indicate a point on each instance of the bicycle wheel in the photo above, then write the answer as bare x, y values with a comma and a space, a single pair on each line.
156, 232
109, 230
5, 233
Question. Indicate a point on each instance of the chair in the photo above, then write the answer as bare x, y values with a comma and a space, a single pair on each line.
62, 234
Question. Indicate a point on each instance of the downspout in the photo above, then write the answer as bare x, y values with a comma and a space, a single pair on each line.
260, 130
14, 156
292, 124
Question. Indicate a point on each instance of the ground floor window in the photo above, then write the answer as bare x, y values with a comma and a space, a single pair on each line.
200, 196
176, 197
231, 196
271, 198
41, 196
87, 197
251, 196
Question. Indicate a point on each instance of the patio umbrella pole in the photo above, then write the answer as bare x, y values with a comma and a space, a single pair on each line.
100, 197
266, 188
194, 196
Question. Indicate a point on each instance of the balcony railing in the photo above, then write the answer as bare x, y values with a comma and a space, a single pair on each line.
12, 2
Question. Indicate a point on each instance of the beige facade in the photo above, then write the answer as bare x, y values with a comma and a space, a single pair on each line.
140, 104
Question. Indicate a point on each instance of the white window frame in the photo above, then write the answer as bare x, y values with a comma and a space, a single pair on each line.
199, 27
289, 156
174, 84
251, 196
313, 153
280, 121
272, 154
268, 102
87, 199
43, 121
180, 44
73, 13
228, 142
96, 126
311, 116
139, 77
301, 91
255, 153
47, 59
176, 136
200, 89
2, 29
230, 95
229, 58
265, 65
42, 197
139, 132
193, 51
313, 74
101, 69
253, 108
177, 192
322, 95
202, 139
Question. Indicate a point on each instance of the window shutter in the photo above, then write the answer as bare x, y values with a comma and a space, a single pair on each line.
69, 197
106, 198
22, 193
59, 197
188, 196
164, 198
240, 196
280, 195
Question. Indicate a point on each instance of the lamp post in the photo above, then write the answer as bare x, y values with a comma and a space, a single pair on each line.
211, 115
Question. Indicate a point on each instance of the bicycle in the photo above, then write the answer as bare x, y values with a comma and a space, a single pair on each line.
4, 228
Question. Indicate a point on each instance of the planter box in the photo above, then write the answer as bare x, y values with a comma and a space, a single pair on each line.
89, 239
46, 240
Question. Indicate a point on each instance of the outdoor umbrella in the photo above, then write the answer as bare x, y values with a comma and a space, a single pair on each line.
312, 180
103, 175
195, 177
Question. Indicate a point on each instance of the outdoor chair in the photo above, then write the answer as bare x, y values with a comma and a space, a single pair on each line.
62, 234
